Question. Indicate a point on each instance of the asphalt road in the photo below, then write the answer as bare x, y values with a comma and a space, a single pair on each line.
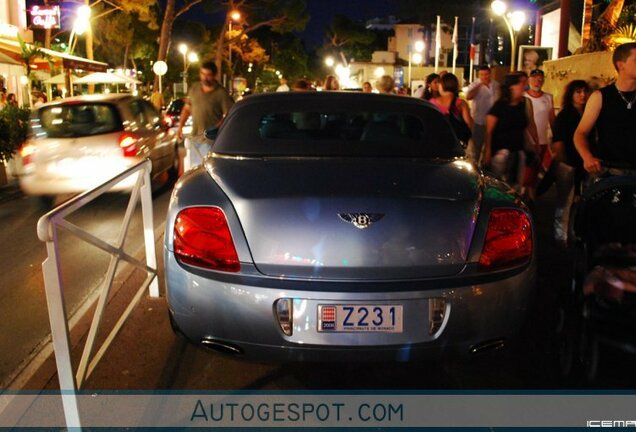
23, 311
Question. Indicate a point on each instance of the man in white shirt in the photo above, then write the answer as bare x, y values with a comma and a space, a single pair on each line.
283, 87
482, 94
543, 109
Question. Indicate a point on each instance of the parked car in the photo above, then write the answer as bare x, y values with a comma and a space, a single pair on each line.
345, 226
173, 114
80, 142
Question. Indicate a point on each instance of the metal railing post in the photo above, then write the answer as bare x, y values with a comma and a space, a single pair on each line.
47, 232
149, 230
59, 332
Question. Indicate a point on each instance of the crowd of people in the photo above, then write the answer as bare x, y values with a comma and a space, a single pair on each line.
517, 135
7, 99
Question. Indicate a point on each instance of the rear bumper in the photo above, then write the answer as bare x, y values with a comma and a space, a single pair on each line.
34, 184
241, 315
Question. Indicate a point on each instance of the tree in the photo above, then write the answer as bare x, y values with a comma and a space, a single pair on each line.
280, 16
285, 52
345, 32
28, 53
14, 125
172, 11
604, 26
351, 39
124, 37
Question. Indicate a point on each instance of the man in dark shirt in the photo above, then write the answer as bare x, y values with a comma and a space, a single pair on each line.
612, 110
208, 103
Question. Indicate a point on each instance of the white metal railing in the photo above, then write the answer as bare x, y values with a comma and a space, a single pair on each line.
47, 232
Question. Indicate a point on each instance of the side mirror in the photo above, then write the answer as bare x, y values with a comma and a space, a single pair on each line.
211, 133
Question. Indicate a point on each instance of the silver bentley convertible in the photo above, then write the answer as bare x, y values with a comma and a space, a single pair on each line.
345, 226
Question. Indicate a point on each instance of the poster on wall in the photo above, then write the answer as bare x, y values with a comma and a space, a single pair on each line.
532, 57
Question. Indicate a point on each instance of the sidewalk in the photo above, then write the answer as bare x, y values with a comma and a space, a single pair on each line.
10, 191
146, 354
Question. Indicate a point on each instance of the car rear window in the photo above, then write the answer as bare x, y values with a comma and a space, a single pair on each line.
175, 107
76, 120
340, 129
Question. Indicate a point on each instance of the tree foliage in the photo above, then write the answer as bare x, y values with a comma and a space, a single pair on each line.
14, 124
28, 54
344, 32
352, 39
281, 16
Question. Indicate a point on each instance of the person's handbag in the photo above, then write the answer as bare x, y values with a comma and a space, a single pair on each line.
461, 129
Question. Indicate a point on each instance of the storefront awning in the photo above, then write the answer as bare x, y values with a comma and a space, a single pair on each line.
12, 49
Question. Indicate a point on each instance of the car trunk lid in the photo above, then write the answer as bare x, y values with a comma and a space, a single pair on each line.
339, 218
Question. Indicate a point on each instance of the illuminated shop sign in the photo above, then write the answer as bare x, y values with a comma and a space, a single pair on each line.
45, 17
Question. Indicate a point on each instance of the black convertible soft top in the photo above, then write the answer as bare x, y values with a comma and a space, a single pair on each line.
336, 124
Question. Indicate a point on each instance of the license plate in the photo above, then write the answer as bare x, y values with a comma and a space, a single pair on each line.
360, 318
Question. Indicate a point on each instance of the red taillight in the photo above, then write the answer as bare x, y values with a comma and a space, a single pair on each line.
128, 144
26, 153
202, 238
508, 239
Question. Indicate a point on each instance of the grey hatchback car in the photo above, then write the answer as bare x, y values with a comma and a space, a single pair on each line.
345, 226
80, 142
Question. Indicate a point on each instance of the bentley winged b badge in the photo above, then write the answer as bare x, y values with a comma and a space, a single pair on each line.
361, 220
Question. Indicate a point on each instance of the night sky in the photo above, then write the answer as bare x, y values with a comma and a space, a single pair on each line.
321, 12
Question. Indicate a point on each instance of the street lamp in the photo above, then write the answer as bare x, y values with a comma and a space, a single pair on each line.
235, 16
80, 25
329, 61
419, 47
189, 57
514, 21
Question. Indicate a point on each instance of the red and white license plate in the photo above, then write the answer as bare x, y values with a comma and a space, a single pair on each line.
360, 318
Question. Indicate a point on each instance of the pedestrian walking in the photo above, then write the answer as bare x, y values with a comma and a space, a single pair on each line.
12, 99
3, 99
568, 166
283, 87
386, 85
208, 103
452, 106
482, 95
431, 89
538, 156
612, 112
156, 99
506, 123
331, 83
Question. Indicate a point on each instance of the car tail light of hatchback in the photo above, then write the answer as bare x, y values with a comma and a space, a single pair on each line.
202, 238
508, 239
26, 153
128, 143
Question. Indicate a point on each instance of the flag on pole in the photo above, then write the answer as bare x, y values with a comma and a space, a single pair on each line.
473, 44
454, 41
438, 43
473, 41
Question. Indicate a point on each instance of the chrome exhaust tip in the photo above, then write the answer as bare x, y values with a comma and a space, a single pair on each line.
222, 347
491, 345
